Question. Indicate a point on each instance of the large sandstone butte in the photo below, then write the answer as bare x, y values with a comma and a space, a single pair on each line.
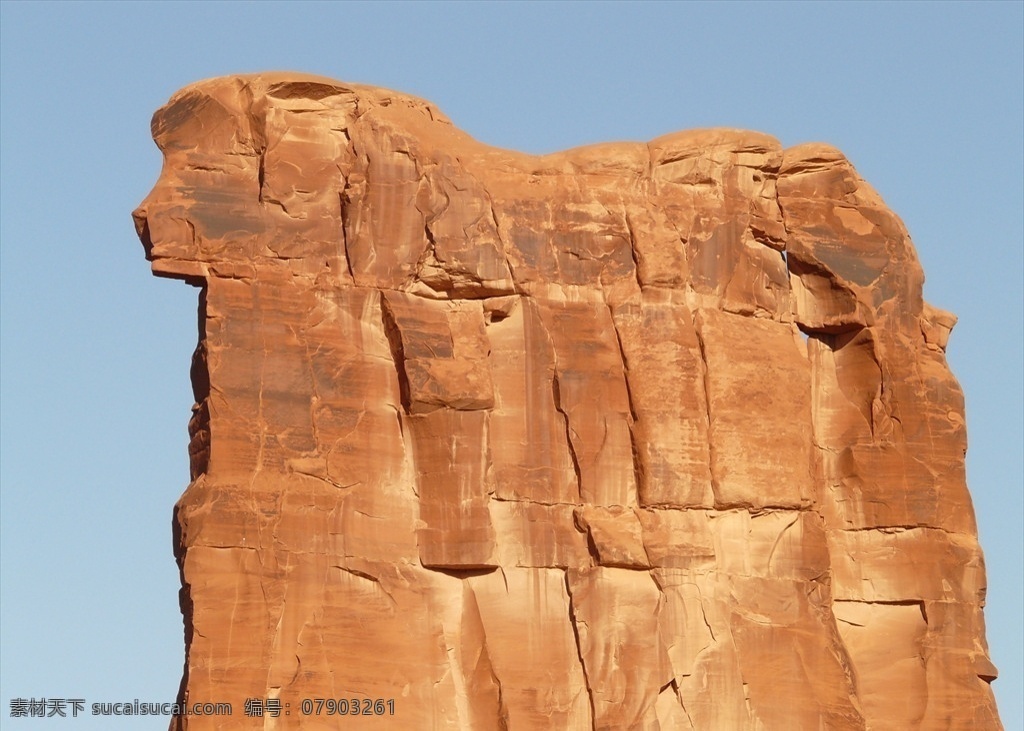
634, 436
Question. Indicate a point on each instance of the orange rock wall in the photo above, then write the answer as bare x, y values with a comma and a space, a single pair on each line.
632, 436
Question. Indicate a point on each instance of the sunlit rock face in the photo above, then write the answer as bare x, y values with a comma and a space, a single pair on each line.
639, 435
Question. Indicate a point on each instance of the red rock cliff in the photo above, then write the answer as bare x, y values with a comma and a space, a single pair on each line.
632, 436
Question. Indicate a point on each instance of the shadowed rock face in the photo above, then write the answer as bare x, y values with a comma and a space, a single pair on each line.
632, 436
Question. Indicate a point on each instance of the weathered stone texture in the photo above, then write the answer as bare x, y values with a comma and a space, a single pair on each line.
631, 436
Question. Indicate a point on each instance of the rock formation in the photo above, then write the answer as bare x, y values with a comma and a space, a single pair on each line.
633, 436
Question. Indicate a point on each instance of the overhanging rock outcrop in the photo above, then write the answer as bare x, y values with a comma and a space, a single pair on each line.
631, 436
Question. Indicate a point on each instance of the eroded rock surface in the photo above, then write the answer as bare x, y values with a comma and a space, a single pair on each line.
631, 436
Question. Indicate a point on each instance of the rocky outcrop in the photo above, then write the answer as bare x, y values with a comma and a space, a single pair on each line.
631, 436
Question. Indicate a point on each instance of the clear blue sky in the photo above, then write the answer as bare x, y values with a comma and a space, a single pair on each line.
925, 99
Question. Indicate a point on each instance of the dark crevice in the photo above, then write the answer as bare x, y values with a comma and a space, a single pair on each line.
580, 524
394, 337
261, 173
367, 577
556, 395
893, 529
502, 719
532, 501
468, 572
579, 653
344, 203
919, 603
634, 445
715, 489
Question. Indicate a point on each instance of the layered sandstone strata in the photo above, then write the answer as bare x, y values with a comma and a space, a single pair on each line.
632, 436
